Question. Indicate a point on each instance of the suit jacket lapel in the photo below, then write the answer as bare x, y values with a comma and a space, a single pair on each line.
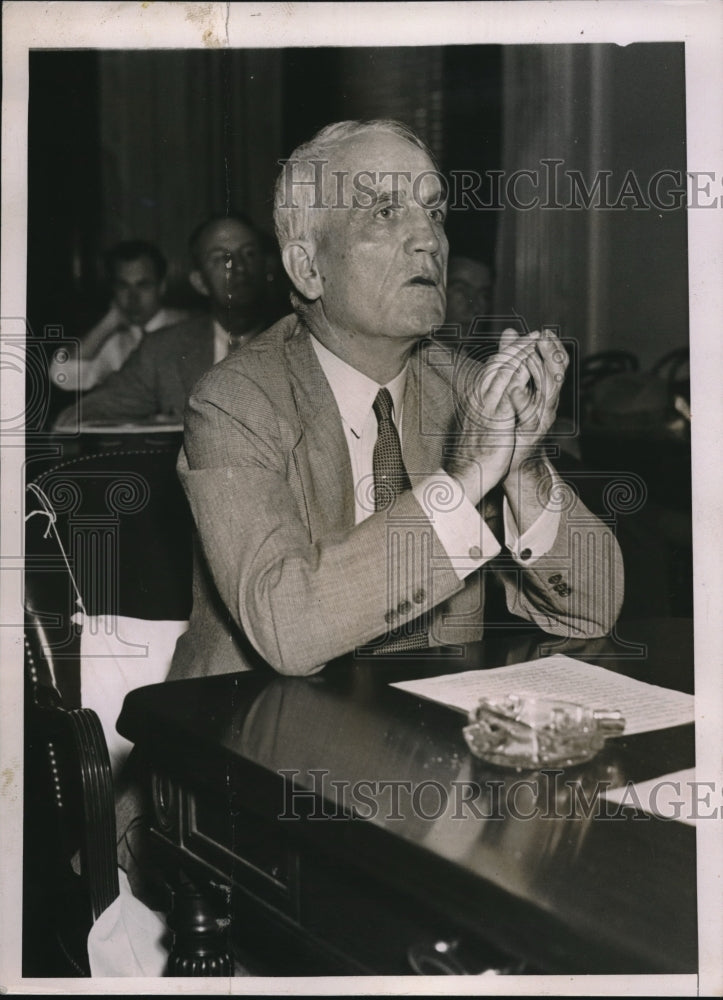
428, 416
321, 453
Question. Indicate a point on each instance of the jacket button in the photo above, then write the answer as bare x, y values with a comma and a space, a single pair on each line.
555, 578
525, 554
419, 596
403, 607
475, 552
390, 616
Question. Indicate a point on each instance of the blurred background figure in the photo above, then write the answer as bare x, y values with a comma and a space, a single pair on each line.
469, 292
136, 273
228, 269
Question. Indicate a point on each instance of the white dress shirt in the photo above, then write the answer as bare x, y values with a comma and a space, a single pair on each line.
222, 340
466, 537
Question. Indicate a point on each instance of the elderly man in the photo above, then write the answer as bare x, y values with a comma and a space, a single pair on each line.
229, 271
348, 479
136, 272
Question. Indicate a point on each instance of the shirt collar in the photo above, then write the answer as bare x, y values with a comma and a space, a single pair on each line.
223, 338
354, 391
157, 321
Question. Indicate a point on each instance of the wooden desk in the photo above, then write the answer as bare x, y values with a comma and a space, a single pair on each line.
90, 439
412, 886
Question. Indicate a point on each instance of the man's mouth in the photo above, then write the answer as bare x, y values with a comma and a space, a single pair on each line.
424, 280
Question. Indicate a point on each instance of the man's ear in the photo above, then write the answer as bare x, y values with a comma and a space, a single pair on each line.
299, 262
198, 283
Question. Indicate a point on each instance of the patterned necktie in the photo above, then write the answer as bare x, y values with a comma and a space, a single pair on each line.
390, 476
391, 479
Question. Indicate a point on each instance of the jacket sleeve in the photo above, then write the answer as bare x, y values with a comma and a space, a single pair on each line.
128, 394
300, 600
576, 588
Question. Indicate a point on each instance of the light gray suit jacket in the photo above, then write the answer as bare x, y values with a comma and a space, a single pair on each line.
284, 576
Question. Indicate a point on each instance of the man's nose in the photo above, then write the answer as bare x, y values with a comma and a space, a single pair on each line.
423, 235
236, 262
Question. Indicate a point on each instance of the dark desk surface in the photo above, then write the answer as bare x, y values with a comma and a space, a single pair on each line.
565, 891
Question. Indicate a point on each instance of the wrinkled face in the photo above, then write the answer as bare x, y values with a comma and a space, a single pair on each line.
230, 264
469, 291
382, 255
137, 290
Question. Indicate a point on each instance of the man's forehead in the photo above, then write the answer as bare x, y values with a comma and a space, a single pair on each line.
373, 166
140, 267
466, 269
228, 232
381, 153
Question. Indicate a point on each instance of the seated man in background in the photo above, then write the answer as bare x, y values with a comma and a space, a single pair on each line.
136, 273
348, 479
468, 320
469, 292
228, 269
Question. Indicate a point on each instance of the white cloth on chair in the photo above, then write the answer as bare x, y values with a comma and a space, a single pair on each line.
118, 654
128, 938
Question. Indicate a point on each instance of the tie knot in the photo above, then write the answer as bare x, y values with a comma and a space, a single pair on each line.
383, 405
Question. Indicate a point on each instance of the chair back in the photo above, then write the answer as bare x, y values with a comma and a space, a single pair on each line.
106, 534
674, 367
598, 366
110, 534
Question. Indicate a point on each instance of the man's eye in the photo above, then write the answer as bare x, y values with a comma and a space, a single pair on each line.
437, 214
385, 212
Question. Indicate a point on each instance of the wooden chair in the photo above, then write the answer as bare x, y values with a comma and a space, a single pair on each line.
69, 808
674, 367
603, 363
108, 533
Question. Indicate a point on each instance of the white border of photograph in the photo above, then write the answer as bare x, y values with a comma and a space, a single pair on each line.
698, 23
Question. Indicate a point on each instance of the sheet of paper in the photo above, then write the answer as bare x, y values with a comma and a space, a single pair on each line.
672, 796
644, 706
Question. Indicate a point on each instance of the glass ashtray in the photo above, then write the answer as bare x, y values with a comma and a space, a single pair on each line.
525, 731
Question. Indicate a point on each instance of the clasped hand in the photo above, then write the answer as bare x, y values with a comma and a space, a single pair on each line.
507, 405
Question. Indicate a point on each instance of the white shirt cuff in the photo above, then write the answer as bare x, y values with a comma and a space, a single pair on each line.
464, 534
539, 537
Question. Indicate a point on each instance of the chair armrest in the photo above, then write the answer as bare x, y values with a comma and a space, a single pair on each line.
81, 775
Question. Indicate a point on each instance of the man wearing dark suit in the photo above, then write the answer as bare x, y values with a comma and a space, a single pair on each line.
229, 270
299, 561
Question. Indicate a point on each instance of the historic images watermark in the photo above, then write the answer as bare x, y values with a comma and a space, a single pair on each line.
550, 185
545, 795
